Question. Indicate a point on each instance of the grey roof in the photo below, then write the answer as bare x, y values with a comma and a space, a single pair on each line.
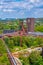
36, 33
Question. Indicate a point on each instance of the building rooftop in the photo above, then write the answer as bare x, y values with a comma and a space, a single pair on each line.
36, 33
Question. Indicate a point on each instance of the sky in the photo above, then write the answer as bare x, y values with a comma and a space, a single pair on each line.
21, 9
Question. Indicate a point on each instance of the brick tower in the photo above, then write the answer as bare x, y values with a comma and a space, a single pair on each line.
30, 24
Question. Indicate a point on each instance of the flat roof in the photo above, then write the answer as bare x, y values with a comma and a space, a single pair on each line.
36, 33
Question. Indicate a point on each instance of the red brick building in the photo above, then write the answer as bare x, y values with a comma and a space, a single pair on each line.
30, 24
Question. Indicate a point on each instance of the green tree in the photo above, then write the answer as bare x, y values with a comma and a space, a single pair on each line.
24, 60
35, 58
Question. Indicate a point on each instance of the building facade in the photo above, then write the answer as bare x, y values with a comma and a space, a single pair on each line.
30, 24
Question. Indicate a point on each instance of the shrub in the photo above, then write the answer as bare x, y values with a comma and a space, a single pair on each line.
35, 58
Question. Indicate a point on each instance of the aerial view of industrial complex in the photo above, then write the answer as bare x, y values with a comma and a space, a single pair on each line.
21, 32
21, 41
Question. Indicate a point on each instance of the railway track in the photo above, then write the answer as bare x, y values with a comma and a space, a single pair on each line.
11, 58
13, 61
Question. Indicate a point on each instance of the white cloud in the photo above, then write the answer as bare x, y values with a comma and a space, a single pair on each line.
25, 5
34, 1
22, 4
1, 7
21, 12
8, 10
38, 12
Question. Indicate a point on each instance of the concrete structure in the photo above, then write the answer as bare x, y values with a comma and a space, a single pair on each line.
26, 52
30, 24
35, 34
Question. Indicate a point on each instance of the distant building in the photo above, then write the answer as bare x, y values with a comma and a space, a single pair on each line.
8, 31
30, 24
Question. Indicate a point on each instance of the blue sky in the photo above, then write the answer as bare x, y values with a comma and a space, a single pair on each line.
21, 8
